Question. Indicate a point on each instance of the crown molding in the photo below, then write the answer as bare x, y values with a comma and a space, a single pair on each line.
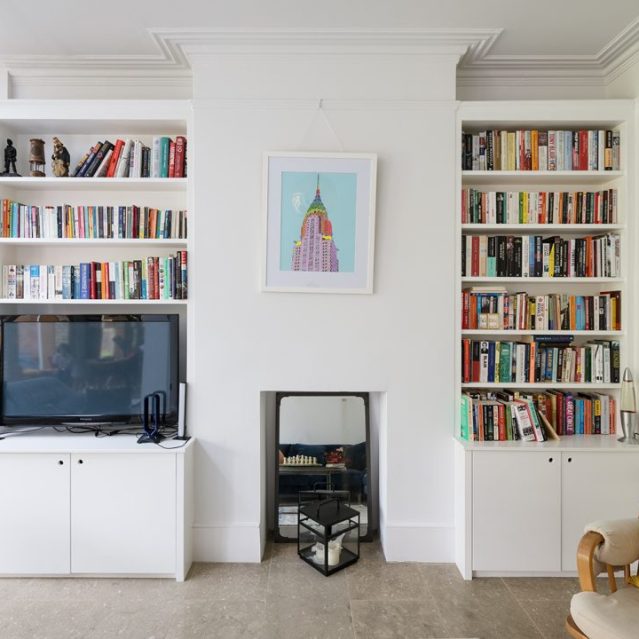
599, 69
170, 65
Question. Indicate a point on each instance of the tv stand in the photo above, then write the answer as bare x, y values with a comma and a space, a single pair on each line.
73, 504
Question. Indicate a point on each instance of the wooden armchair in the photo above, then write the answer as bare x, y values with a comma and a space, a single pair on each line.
607, 546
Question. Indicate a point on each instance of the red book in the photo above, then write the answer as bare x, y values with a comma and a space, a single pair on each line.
466, 309
115, 156
583, 150
180, 156
474, 256
171, 159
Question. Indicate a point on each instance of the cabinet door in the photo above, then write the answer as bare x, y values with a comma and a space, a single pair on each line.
123, 513
34, 514
596, 485
516, 511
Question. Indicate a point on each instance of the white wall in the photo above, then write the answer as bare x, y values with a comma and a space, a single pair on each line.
398, 341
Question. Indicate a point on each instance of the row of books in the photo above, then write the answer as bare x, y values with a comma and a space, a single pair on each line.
151, 278
539, 207
536, 256
497, 309
541, 150
91, 222
548, 358
509, 415
166, 158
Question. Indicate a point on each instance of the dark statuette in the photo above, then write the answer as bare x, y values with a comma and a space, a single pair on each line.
10, 157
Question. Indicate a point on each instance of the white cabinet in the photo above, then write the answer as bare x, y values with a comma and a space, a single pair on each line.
595, 486
34, 514
517, 506
98, 506
522, 508
123, 513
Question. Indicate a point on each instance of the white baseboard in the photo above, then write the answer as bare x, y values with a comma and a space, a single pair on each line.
427, 543
234, 542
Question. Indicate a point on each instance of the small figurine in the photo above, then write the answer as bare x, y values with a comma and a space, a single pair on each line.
10, 157
36, 158
61, 159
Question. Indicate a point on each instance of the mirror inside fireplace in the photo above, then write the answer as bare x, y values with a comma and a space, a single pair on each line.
322, 445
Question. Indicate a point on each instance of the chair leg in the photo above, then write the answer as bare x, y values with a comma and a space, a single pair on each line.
572, 630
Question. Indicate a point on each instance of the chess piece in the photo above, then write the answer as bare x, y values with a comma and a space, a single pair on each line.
61, 159
36, 158
10, 157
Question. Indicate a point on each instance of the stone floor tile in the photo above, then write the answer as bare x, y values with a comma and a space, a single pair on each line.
226, 581
372, 580
397, 620
549, 617
299, 581
309, 618
542, 588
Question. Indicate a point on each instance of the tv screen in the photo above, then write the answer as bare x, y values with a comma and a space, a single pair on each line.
87, 368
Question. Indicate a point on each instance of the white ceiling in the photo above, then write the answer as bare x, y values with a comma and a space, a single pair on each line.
85, 27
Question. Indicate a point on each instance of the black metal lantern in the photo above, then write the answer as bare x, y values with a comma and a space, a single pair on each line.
328, 535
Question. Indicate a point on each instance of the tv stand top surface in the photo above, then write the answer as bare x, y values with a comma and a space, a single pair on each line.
48, 441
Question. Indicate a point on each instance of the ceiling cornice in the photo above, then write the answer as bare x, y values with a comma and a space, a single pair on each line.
599, 69
170, 64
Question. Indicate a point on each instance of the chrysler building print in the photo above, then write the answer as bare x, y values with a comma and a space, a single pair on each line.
315, 250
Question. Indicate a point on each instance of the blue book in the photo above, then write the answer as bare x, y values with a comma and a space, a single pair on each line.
66, 282
164, 157
75, 282
568, 150
85, 281
580, 313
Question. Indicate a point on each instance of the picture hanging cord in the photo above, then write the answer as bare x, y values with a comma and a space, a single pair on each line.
319, 112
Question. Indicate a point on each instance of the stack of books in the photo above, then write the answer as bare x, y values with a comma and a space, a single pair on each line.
539, 207
166, 158
497, 309
151, 278
544, 358
538, 150
90, 222
536, 256
510, 415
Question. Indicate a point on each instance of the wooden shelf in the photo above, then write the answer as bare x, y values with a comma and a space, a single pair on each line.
539, 177
95, 184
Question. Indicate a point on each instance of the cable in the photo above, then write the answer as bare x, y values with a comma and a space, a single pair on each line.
23, 431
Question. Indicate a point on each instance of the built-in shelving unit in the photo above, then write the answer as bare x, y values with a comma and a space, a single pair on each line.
476, 117
79, 124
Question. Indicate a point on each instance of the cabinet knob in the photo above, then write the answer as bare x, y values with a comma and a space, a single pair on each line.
80, 461
569, 459
550, 460
60, 462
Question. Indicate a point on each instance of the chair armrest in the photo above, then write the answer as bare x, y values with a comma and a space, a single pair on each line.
585, 560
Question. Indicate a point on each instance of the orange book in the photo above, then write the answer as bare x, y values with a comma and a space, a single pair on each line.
534, 144
105, 281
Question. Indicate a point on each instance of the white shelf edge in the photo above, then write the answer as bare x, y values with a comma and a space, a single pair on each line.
566, 228
82, 301
85, 184
542, 385
487, 331
546, 280
91, 241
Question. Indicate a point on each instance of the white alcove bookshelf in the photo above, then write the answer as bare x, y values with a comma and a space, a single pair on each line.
79, 124
512, 496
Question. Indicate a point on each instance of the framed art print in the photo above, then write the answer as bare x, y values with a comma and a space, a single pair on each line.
320, 222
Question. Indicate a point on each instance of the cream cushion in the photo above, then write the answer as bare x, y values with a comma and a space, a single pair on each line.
621, 541
614, 616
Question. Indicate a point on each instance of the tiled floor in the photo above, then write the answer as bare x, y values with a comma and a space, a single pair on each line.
284, 598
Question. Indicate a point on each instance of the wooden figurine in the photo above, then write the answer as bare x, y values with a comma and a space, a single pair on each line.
10, 157
36, 158
61, 159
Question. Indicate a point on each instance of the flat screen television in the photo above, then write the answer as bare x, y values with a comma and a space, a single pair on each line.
87, 369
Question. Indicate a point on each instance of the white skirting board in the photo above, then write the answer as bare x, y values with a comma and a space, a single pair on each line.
233, 542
